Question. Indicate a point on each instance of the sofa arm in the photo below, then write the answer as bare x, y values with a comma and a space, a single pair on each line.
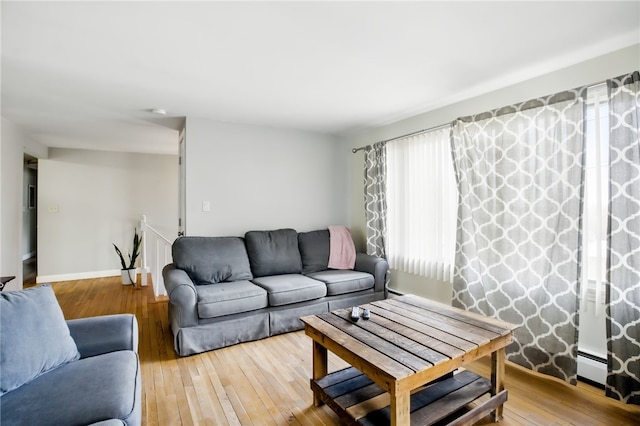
103, 334
182, 295
376, 266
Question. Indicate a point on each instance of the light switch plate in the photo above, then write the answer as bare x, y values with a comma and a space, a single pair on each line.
206, 206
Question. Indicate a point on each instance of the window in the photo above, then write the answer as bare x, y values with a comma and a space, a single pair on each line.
421, 205
596, 196
422, 202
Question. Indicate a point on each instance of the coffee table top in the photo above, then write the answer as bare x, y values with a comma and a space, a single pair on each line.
409, 340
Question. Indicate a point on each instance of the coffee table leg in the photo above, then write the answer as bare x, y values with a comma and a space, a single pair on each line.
497, 379
400, 409
319, 367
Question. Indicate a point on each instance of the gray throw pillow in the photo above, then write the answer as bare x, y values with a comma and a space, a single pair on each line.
314, 250
34, 336
273, 252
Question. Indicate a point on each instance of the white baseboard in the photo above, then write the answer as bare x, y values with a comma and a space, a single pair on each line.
592, 369
77, 276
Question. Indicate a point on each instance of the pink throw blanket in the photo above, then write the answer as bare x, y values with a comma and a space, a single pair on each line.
342, 251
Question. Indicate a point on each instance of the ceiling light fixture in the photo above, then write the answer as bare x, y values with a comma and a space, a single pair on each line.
159, 111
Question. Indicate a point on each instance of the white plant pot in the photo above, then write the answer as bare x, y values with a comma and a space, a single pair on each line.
129, 276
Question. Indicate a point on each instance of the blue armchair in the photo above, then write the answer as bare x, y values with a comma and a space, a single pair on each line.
56, 372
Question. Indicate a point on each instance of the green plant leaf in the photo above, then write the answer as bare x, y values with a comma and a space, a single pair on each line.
133, 256
122, 262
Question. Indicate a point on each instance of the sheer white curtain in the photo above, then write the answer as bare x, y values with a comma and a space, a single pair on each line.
421, 205
596, 198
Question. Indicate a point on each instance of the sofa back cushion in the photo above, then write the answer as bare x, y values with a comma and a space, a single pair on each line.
35, 337
314, 250
210, 260
273, 252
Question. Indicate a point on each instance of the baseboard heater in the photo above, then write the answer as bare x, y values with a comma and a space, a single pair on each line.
592, 368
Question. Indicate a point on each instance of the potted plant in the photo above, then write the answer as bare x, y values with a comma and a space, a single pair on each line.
129, 275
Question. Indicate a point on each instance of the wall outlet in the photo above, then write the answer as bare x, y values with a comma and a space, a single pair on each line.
54, 208
206, 206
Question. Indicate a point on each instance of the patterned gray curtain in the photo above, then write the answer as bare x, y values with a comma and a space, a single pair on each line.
623, 262
375, 198
519, 172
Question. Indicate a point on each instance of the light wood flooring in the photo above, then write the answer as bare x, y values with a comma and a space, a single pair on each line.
267, 382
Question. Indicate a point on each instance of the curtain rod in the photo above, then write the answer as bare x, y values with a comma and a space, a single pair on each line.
430, 129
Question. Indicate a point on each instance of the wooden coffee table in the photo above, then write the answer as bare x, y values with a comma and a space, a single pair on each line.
402, 362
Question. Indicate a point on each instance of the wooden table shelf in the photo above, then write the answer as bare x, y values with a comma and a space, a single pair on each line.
359, 401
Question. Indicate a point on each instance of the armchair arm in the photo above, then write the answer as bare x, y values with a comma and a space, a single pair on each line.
182, 296
103, 334
376, 266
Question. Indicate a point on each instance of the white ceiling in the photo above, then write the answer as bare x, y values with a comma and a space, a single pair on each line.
86, 74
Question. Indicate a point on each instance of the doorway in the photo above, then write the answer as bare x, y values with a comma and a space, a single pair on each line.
30, 221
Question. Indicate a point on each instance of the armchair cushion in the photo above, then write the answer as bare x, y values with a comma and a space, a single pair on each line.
30, 319
83, 392
273, 252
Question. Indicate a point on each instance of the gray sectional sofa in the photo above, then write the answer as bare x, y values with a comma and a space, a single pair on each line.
55, 372
228, 290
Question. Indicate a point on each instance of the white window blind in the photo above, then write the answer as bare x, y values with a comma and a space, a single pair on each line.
596, 197
421, 205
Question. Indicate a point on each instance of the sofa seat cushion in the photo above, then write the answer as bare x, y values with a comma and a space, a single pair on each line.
344, 281
273, 252
229, 298
210, 260
82, 392
291, 288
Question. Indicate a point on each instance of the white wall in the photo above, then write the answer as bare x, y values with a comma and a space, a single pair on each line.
589, 72
90, 199
260, 178
13, 145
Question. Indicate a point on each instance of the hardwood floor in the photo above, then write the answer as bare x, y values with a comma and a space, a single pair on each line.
267, 382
